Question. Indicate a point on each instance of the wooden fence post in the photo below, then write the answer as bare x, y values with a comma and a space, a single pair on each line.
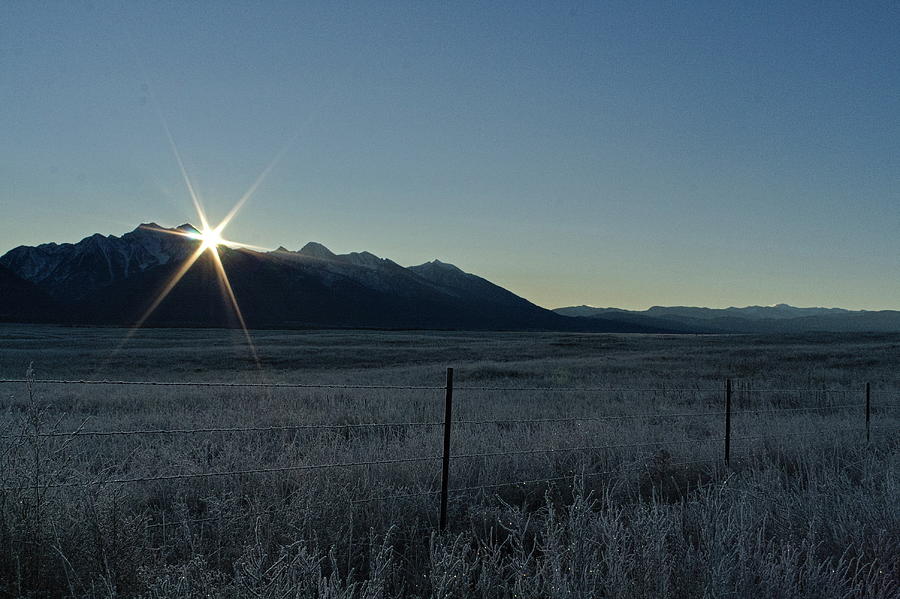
445, 470
727, 422
868, 409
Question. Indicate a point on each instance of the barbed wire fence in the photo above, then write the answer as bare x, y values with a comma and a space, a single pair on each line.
863, 430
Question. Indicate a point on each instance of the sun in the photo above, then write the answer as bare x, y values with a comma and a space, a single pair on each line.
210, 238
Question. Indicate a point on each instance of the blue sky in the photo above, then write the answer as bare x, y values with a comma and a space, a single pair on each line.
615, 154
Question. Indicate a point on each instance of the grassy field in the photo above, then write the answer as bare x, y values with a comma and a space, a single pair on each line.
646, 509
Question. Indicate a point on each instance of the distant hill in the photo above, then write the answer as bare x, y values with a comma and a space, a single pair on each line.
780, 318
113, 280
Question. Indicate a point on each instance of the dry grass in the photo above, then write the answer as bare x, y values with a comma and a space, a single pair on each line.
800, 515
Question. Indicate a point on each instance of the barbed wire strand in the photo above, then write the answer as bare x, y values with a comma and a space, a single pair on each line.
820, 432
659, 389
531, 481
339, 386
778, 410
309, 467
249, 429
569, 477
435, 492
421, 387
796, 390
374, 425
386, 425
589, 448
221, 384
167, 477
592, 389
392, 497
649, 415
588, 418
404, 534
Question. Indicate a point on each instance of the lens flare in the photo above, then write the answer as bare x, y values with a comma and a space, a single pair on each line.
211, 240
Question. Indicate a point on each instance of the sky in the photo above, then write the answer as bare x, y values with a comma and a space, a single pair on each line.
621, 154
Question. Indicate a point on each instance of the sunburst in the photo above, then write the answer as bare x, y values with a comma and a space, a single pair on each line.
211, 240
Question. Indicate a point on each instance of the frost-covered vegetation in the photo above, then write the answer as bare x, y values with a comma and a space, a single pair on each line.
796, 515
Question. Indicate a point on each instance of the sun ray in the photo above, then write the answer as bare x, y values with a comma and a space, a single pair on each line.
184, 174
229, 291
247, 195
170, 285
195, 198
259, 180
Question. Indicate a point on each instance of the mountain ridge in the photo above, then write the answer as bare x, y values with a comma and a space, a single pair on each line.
115, 279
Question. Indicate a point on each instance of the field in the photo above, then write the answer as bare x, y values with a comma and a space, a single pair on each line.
625, 492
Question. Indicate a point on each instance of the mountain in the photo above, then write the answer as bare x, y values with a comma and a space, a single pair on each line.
114, 280
21, 300
69, 271
780, 318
